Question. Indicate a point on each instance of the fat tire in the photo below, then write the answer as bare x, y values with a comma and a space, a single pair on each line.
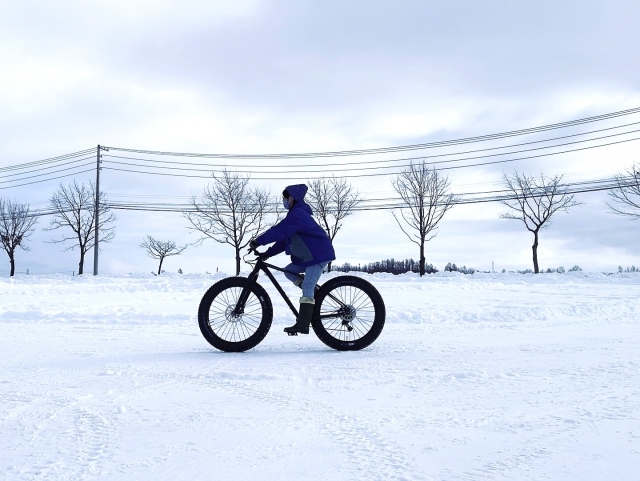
379, 313
265, 319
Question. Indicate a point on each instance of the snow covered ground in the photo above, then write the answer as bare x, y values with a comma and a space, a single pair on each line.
490, 376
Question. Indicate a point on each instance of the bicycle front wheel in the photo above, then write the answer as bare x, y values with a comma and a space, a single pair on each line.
228, 330
349, 313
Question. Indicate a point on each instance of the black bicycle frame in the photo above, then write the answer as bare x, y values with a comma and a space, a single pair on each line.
253, 278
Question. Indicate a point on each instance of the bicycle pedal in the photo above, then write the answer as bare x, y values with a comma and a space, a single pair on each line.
292, 333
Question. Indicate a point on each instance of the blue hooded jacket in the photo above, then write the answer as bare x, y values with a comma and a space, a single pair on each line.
298, 234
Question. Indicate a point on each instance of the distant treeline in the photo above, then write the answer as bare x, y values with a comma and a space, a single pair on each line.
454, 268
390, 266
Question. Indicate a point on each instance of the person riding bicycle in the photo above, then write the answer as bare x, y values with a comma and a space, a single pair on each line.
300, 236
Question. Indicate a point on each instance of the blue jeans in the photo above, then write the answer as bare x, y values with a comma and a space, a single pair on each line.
311, 275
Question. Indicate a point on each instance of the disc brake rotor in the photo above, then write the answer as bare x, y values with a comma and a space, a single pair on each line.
348, 314
232, 316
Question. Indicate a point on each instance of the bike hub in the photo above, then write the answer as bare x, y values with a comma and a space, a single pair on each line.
348, 313
231, 315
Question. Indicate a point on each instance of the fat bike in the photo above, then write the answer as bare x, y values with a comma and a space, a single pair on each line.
235, 314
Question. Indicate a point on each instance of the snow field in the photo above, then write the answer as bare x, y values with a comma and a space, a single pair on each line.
474, 377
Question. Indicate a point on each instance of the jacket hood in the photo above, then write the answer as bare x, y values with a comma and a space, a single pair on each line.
297, 191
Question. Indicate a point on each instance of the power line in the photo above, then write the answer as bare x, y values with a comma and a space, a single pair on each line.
404, 159
47, 173
391, 203
46, 180
374, 203
569, 189
374, 199
75, 161
46, 164
479, 164
362, 193
55, 162
379, 150
47, 161
357, 169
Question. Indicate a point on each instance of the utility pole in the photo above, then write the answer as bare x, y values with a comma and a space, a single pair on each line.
97, 213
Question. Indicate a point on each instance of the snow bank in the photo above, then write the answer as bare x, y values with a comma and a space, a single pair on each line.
448, 297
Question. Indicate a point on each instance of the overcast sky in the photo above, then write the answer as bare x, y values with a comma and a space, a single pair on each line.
304, 76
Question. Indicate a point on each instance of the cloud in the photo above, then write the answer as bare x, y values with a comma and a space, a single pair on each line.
271, 76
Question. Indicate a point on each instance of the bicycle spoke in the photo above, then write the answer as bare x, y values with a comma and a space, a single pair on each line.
249, 330
336, 302
224, 330
362, 301
335, 322
360, 331
333, 304
231, 327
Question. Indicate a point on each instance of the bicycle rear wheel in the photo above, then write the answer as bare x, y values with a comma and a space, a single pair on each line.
226, 330
349, 313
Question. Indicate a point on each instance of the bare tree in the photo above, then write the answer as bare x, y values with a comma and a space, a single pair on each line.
535, 200
16, 225
426, 198
74, 207
230, 212
332, 200
626, 194
157, 249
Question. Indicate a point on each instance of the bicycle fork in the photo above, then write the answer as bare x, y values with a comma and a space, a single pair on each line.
244, 295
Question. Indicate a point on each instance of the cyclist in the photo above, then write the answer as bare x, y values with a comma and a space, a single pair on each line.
300, 236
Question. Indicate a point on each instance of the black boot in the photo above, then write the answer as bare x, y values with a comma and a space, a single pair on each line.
304, 317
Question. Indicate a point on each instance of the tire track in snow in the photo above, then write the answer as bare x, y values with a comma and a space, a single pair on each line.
87, 445
95, 435
366, 454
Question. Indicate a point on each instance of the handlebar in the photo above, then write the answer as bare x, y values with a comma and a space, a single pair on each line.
254, 251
